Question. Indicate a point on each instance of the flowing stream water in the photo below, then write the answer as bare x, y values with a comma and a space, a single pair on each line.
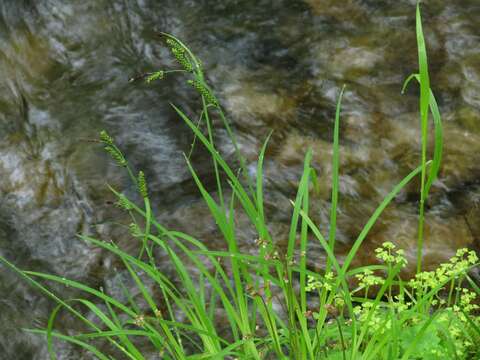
276, 65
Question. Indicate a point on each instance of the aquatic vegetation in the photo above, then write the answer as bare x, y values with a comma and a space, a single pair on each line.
225, 304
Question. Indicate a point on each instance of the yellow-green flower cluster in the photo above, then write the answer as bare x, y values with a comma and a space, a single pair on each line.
139, 321
316, 284
313, 284
463, 260
373, 317
456, 267
367, 279
389, 255
424, 280
180, 54
400, 304
449, 318
465, 305
339, 302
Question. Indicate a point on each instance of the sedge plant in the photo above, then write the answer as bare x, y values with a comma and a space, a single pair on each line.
265, 297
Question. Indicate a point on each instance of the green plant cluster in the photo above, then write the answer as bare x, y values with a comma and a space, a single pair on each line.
268, 304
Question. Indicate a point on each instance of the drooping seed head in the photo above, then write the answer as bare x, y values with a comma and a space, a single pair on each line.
135, 230
179, 53
105, 138
157, 75
203, 90
123, 203
116, 155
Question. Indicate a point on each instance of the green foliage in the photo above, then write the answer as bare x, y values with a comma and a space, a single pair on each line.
369, 312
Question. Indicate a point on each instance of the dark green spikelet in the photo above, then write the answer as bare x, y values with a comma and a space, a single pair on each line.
142, 185
123, 203
180, 54
182, 59
105, 138
135, 230
157, 75
116, 155
203, 90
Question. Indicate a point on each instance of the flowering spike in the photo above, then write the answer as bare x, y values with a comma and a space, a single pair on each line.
123, 203
105, 138
135, 230
157, 75
116, 155
179, 52
204, 91
142, 185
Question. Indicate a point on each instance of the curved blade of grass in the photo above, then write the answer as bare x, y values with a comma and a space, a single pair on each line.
438, 135
120, 306
197, 315
438, 150
289, 292
132, 350
75, 341
247, 203
222, 222
300, 309
297, 205
100, 295
373, 219
229, 304
26, 275
51, 320
111, 333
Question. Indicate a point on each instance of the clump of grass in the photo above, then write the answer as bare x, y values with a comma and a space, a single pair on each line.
431, 316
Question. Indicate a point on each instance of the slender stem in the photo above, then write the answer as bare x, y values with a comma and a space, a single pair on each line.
215, 165
341, 338
240, 157
421, 220
335, 179
195, 137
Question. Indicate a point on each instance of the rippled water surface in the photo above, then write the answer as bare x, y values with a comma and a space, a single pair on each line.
278, 65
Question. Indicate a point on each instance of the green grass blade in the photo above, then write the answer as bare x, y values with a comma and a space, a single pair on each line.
51, 320
75, 341
335, 177
438, 149
297, 205
438, 135
264, 235
424, 104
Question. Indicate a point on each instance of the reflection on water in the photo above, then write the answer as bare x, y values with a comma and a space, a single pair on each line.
277, 65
